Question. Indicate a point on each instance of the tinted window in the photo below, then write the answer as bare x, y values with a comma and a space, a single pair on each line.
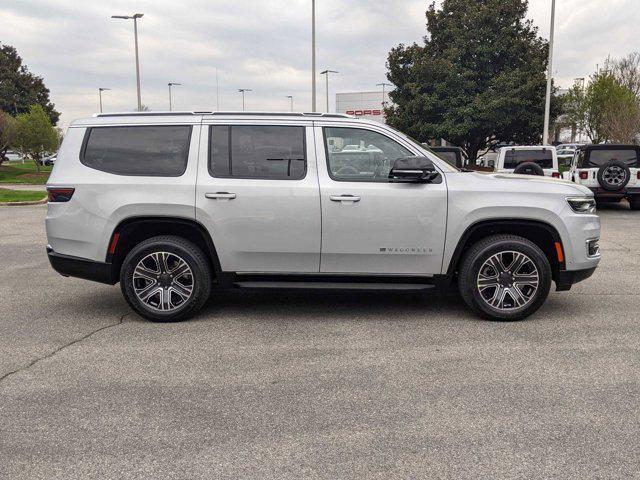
159, 151
597, 158
357, 155
257, 151
513, 158
450, 157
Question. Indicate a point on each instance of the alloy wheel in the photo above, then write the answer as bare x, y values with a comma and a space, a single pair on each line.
508, 280
614, 175
163, 281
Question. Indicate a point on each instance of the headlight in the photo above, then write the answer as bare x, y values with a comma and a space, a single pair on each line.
582, 204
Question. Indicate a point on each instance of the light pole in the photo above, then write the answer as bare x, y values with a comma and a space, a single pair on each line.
100, 90
290, 97
383, 84
171, 84
135, 18
547, 103
326, 78
242, 91
313, 55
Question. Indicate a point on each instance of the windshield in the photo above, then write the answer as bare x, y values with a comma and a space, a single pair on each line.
513, 158
450, 157
428, 153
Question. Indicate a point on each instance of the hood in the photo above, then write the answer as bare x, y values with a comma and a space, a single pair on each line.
529, 182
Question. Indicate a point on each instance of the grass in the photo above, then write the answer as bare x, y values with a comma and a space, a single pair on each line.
8, 195
24, 174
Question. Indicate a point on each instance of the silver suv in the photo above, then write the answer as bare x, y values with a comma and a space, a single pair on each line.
172, 204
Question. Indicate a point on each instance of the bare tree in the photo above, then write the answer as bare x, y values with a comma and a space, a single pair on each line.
622, 119
627, 72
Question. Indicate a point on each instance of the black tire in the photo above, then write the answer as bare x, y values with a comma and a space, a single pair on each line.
199, 278
634, 202
483, 251
614, 176
529, 168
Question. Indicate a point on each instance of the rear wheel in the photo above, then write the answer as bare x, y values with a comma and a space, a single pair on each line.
505, 277
166, 279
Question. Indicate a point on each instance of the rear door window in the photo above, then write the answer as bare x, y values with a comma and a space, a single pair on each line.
257, 151
513, 158
156, 151
598, 158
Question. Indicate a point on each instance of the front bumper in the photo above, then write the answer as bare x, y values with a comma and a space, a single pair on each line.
566, 278
69, 266
600, 192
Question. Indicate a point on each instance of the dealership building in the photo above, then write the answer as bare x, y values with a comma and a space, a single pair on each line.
369, 105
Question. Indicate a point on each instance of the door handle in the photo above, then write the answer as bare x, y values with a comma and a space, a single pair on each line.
221, 195
344, 198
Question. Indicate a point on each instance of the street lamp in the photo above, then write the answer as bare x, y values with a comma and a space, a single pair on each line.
242, 91
383, 84
171, 84
100, 90
327, 72
290, 97
547, 102
313, 55
135, 18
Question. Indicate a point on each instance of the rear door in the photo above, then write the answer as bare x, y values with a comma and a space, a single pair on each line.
257, 194
368, 224
543, 157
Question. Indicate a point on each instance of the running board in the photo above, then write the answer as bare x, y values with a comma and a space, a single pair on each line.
405, 287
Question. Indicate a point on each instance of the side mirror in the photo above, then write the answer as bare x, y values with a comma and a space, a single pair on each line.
413, 170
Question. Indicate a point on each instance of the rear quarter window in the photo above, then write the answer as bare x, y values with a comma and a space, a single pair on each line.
598, 158
157, 151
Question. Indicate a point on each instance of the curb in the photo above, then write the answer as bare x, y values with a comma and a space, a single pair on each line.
22, 204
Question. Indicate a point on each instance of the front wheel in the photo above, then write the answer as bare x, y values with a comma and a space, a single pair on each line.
505, 277
166, 279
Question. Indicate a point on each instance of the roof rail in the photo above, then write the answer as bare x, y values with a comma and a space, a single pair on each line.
266, 114
285, 114
146, 114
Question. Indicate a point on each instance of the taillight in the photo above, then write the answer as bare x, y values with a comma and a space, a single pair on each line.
584, 175
638, 174
60, 194
555, 174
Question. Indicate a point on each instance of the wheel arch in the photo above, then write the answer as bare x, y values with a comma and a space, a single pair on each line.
544, 235
133, 230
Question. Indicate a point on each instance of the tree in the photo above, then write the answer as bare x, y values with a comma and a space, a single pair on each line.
478, 78
8, 133
20, 89
36, 135
609, 104
575, 107
627, 71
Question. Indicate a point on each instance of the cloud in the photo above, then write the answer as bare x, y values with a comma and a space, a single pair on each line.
261, 45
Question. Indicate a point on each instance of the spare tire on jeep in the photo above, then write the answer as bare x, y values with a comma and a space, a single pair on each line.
529, 168
614, 176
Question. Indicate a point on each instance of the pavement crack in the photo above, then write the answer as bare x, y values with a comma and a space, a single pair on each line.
63, 347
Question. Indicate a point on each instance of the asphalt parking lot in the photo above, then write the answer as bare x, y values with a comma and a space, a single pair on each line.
316, 385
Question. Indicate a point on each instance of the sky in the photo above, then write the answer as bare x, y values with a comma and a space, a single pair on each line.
262, 45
